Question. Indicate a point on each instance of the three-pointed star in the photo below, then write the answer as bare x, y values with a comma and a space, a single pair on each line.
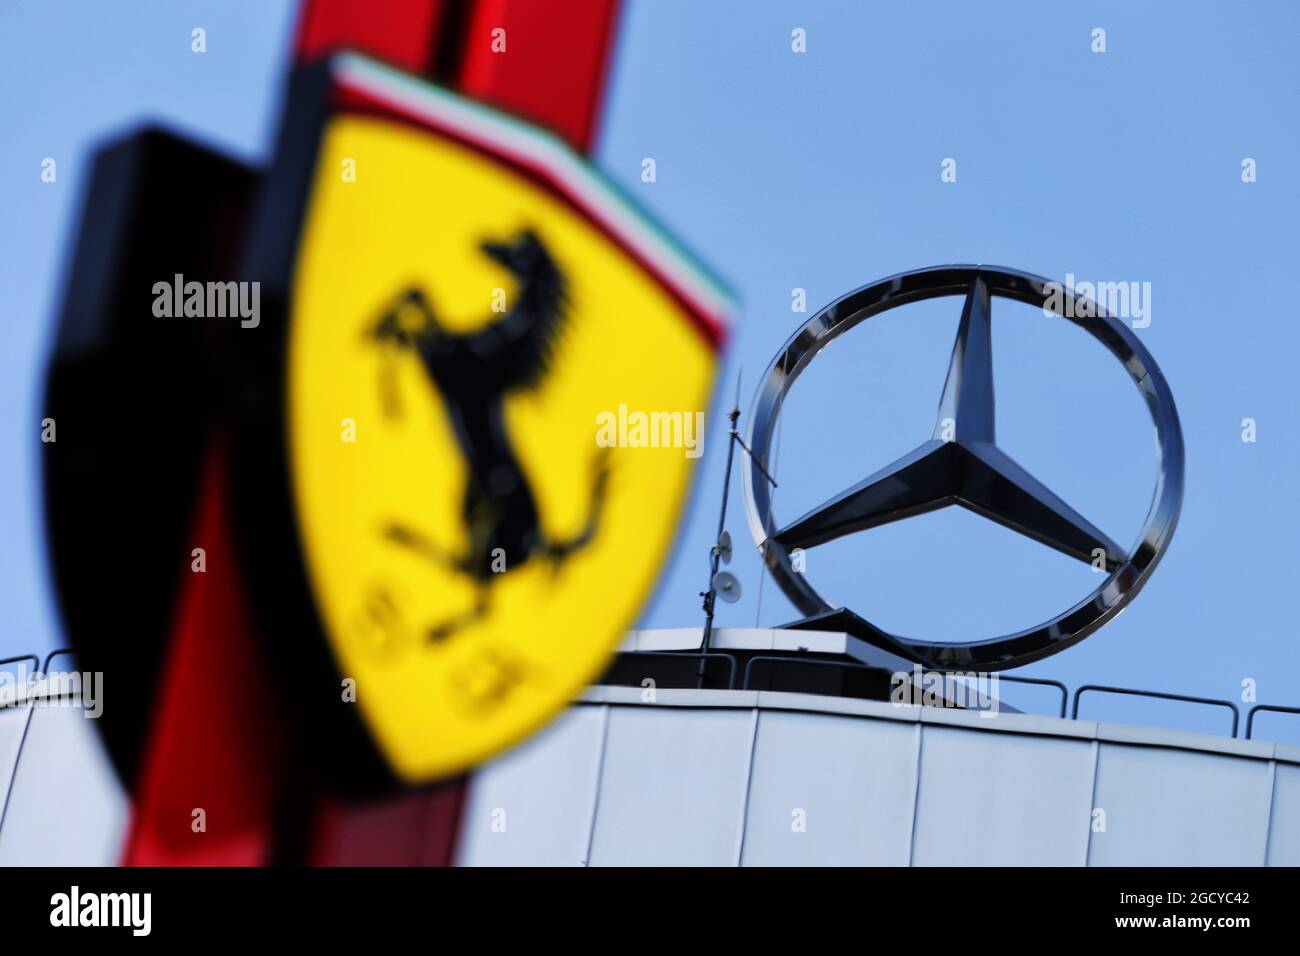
961, 465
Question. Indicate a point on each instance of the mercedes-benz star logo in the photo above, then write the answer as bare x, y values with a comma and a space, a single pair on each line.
961, 464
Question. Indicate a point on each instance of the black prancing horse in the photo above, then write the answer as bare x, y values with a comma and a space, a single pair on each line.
474, 373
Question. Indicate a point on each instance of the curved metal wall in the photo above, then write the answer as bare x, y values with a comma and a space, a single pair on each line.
60, 801
756, 779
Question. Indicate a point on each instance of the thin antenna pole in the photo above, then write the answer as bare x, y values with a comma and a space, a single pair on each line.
711, 595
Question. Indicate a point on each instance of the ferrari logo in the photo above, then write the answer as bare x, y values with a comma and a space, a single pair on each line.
467, 307
473, 373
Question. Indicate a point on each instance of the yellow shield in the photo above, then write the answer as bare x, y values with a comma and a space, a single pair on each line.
496, 371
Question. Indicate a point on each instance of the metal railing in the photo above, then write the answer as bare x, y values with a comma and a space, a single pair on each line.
693, 656
53, 654
36, 663
747, 677
852, 665
1271, 708
1161, 695
1044, 682
747, 681
773, 659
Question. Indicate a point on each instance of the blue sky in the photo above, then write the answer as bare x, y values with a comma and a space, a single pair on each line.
821, 171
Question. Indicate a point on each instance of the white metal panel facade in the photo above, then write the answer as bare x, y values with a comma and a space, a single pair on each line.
1173, 807
685, 777
718, 778
830, 790
993, 799
66, 807
13, 725
1284, 830
509, 821
672, 787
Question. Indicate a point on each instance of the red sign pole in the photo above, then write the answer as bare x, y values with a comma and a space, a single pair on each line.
211, 769
219, 755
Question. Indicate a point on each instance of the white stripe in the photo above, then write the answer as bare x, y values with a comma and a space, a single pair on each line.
522, 142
